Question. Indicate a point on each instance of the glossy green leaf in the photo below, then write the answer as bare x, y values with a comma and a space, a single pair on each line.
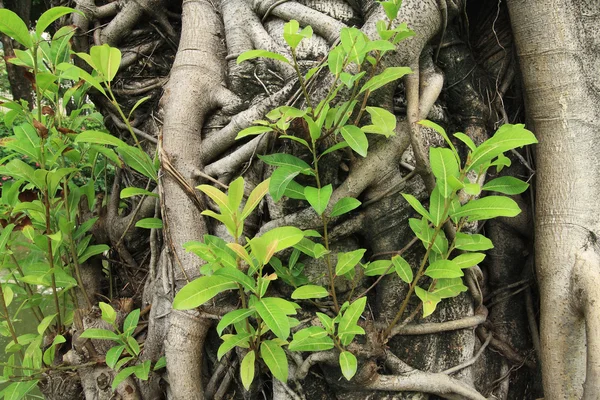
466, 140
200, 290
232, 341
430, 301
506, 185
108, 313
416, 205
443, 165
472, 189
134, 191
95, 333
467, 260
379, 267
131, 321
507, 137
255, 198
274, 317
313, 338
139, 160
294, 190
350, 319
318, 198
383, 122
274, 356
106, 60
280, 179
335, 60
232, 317
13, 26
344, 206
442, 132
253, 130
390, 74
474, 242
286, 160
347, 261
487, 208
237, 276
447, 288
335, 147
403, 269
444, 269
98, 137
247, 369
149, 223
437, 207
310, 292
286, 236
51, 15
252, 54
348, 364
356, 139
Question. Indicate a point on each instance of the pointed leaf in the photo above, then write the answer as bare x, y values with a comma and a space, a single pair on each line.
200, 290
318, 198
430, 301
487, 208
274, 356
347, 261
506, 185
444, 269
468, 260
310, 292
233, 317
416, 205
255, 198
344, 206
280, 179
348, 364
390, 74
247, 369
506, 138
473, 242
403, 269
274, 317
356, 139
251, 54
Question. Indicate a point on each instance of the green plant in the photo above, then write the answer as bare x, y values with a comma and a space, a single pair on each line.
55, 161
263, 324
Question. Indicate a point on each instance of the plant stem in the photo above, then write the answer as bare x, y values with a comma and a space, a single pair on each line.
11, 327
302, 84
39, 315
51, 258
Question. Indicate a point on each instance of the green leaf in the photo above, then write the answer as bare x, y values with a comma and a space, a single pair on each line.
50, 16
286, 160
310, 292
379, 267
487, 208
18, 390
403, 269
274, 356
383, 122
437, 206
232, 317
335, 147
41, 328
506, 185
122, 375
13, 26
238, 276
508, 137
251, 54
131, 321
103, 334
161, 363
391, 11
255, 198
286, 236
475, 242
253, 130
356, 139
335, 60
313, 338
296, 139
5, 236
106, 60
344, 206
313, 128
443, 165
274, 317
467, 260
466, 140
318, 198
472, 189
390, 74
108, 313
295, 190
200, 290
98, 137
231, 341
149, 223
137, 104
416, 205
347, 261
430, 301
327, 322
442, 132
247, 369
447, 288
444, 269
219, 198
235, 194
113, 355
280, 179
348, 364
349, 320
134, 191
139, 160
91, 251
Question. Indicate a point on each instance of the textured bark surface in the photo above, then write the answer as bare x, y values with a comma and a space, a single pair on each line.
480, 345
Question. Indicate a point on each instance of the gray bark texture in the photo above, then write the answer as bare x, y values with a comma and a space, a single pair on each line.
476, 66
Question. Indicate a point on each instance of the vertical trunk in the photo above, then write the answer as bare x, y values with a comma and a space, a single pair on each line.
20, 87
564, 111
